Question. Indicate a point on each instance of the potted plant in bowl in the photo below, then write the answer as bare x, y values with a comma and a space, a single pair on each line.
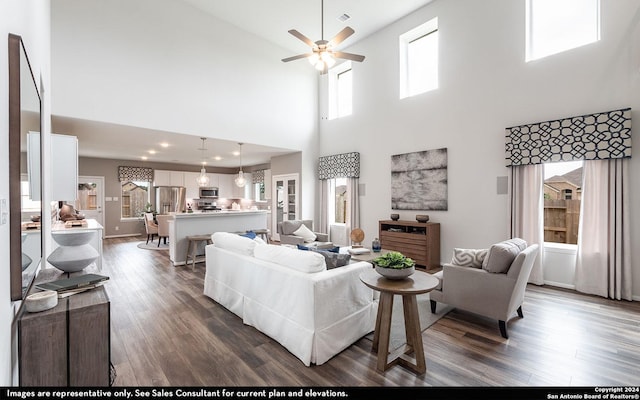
394, 265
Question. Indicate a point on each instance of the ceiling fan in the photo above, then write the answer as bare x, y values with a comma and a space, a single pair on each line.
322, 55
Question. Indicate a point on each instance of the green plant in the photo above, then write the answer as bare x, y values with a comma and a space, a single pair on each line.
395, 260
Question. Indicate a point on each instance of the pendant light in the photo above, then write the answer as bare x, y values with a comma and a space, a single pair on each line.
203, 178
240, 180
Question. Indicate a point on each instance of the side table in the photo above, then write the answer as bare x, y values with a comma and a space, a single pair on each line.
418, 283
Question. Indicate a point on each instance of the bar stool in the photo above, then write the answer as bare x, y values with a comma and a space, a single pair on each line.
263, 233
192, 248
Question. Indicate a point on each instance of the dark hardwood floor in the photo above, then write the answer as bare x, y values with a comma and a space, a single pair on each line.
165, 332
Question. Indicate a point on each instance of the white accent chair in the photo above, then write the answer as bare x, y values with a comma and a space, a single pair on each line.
150, 226
496, 295
288, 227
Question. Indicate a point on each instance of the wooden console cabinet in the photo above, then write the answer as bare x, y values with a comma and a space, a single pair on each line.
68, 345
417, 240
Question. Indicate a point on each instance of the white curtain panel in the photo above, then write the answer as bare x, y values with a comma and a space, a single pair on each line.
527, 211
353, 200
603, 263
323, 192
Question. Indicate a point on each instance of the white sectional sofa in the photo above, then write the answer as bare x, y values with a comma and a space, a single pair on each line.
289, 295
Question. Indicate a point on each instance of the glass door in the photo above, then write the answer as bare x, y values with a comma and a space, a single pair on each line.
90, 199
285, 201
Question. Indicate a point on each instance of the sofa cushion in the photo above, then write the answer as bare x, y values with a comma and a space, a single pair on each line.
500, 257
233, 242
303, 261
469, 257
305, 233
334, 260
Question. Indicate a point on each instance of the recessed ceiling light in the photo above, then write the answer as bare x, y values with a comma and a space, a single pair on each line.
144, 157
152, 152
164, 144
236, 153
217, 158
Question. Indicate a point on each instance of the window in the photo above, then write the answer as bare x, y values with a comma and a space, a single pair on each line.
562, 194
554, 26
258, 191
340, 90
28, 204
419, 59
338, 206
135, 198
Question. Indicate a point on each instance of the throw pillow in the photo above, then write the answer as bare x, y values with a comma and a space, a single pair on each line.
469, 257
334, 260
521, 243
500, 257
301, 247
305, 233
234, 242
303, 261
249, 234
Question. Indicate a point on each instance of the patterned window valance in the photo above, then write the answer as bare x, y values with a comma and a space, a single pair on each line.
136, 174
587, 137
346, 165
257, 176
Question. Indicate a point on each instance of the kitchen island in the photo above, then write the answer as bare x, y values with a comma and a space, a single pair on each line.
206, 223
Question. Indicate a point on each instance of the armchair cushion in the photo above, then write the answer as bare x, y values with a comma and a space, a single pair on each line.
469, 257
305, 233
501, 255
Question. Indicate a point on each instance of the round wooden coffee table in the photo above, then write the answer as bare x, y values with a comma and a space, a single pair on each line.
418, 283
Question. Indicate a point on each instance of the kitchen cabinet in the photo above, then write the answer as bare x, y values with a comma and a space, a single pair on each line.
191, 185
225, 185
161, 178
64, 171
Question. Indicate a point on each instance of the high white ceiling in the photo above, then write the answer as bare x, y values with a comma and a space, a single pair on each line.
270, 20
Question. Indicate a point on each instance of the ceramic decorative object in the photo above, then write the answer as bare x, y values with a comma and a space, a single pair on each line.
75, 253
395, 217
375, 245
394, 265
357, 236
391, 273
422, 218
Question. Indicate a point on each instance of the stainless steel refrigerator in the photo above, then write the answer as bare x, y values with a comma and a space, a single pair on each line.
170, 199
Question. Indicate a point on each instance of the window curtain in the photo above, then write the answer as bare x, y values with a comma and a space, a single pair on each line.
603, 265
353, 214
135, 174
527, 211
323, 201
345, 165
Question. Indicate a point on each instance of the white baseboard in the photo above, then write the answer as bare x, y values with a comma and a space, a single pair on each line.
120, 236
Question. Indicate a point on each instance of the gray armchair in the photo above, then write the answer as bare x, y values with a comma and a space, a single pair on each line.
496, 295
287, 228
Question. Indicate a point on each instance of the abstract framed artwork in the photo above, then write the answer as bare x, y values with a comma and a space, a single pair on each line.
419, 180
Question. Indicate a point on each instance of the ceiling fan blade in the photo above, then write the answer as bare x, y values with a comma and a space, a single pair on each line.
302, 37
342, 35
299, 56
348, 56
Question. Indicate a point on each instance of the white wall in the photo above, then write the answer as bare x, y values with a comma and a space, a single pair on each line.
162, 64
485, 86
29, 19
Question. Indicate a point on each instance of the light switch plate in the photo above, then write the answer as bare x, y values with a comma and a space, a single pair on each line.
4, 212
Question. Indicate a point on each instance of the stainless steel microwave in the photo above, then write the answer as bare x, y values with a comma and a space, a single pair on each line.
208, 192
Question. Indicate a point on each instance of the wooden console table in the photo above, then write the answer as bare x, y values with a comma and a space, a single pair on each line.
68, 345
419, 282
417, 240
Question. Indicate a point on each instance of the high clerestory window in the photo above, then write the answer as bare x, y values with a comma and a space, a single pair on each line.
554, 26
419, 59
340, 90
